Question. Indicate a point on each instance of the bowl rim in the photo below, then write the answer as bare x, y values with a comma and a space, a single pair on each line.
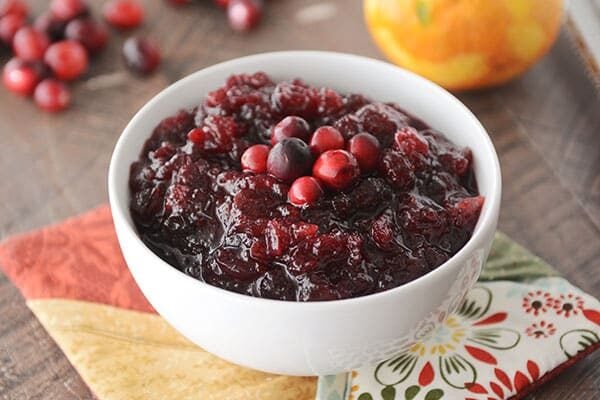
486, 221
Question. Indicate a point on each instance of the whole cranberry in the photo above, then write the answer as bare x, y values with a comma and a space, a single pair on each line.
123, 14
52, 95
14, 7
289, 127
91, 34
9, 25
67, 10
244, 15
141, 55
21, 77
29, 44
197, 136
255, 157
326, 138
305, 190
50, 25
367, 150
289, 159
68, 59
337, 169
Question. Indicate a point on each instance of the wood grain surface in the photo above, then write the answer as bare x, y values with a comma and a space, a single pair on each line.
546, 127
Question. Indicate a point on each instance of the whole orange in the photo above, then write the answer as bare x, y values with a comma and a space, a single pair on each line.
464, 44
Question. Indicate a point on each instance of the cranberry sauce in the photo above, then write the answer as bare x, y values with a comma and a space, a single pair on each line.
377, 197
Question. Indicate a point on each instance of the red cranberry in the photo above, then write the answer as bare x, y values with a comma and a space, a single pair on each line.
30, 44
288, 127
305, 190
410, 142
68, 59
9, 25
326, 138
52, 95
289, 159
255, 157
244, 15
14, 7
123, 14
221, 3
141, 55
91, 34
20, 77
337, 169
366, 148
51, 25
197, 136
67, 10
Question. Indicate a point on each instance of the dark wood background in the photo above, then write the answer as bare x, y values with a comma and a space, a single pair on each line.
546, 127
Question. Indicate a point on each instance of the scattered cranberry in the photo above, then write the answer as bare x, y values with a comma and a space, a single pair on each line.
289, 127
366, 148
68, 59
91, 34
50, 25
141, 55
30, 44
123, 14
14, 7
197, 136
289, 159
67, 10
304, 191
326, 138
52, 95
244, 15
20, 77
337, 169
410, 142
255, 157
9, 25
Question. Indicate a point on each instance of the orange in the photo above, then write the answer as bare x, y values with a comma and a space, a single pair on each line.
464, 44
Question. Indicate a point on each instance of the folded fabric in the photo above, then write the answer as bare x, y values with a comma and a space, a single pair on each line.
519, 327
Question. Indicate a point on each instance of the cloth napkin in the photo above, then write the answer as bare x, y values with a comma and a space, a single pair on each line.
519, 327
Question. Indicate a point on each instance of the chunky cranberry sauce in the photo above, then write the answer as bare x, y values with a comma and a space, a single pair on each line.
294, 192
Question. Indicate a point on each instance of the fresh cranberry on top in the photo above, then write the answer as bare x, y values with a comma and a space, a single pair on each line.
289, 159
21, 77
123, 14
304, 191
244, 15
67, 10
52, 95
197, 136
141, 55
255, 157
289, 127
9, 25
15, 7
366, 148
337, 169
91, 34
326, 138
68, 59
30, 44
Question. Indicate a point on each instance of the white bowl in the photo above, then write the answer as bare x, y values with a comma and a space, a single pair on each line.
312, 338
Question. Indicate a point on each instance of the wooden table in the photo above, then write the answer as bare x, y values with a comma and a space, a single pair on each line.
546, 127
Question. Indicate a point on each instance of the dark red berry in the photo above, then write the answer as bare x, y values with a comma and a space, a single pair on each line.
289, 159
197, 136
244, 15
68, 59
91, 34
52, 95
337, 169
255, 157
123, 14
142, 55
289, 127
14, 7
67, 10
367, 150
50, 25
326, 138
21, 77
9, 25
221, 3
304, 191
29, 44
410, 142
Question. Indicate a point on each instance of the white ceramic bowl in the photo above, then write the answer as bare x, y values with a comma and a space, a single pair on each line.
320, 337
